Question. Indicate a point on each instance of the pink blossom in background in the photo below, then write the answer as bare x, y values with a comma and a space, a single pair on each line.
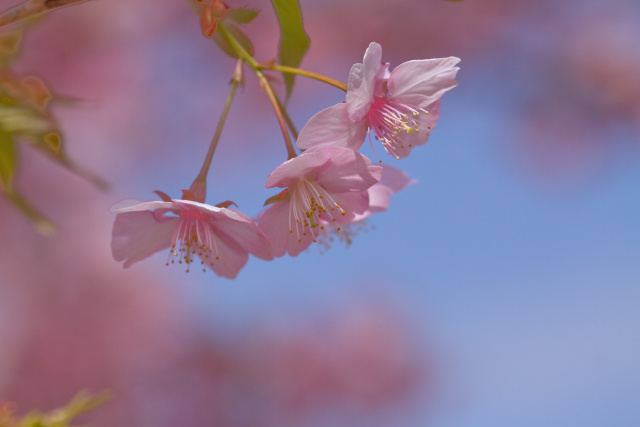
324, 186
585, 109
435, 28
222, 238
399, 107
352, 366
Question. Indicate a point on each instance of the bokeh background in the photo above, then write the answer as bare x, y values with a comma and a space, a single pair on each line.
502, 289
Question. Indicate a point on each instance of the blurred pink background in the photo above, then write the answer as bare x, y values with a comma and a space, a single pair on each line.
500, 290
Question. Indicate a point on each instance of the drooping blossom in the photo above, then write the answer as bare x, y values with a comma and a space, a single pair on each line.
322, 188
221, 238
400, 107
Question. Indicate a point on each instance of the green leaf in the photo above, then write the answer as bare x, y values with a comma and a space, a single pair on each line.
7, 158
242, 15
294, 41
237, 34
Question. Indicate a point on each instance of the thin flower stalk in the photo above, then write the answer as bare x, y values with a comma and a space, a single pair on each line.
32, 8
199, 185
273, 97
311, 74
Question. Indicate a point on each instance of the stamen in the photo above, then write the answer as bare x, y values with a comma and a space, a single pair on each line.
373, 149
310, 205
392, 123
193, 237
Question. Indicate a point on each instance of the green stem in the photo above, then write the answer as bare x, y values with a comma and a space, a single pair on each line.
273, 97
199, 185
292, 127
311, 74
275, 102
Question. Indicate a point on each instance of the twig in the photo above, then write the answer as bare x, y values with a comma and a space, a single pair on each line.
31, 8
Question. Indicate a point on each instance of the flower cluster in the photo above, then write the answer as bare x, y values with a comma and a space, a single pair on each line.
330, 185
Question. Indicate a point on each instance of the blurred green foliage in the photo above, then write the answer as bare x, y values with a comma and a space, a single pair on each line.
294, 41
25, 116
82, 403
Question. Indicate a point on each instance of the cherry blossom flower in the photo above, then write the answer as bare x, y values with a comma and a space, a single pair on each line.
400, 107
323, 188
221, 238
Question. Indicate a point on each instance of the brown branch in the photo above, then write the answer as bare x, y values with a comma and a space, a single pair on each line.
30, 8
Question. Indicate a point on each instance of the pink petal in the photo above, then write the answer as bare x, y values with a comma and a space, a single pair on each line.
241, 229
372, 59
426, 123
332, 127
274, 222
362, 83
353, 203
232, 257
420, 83
306, 164
348, 171
393, 180
379, 200
137, 235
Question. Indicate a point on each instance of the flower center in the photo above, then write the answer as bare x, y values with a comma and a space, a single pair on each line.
310, 206
193, 236
393, 122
